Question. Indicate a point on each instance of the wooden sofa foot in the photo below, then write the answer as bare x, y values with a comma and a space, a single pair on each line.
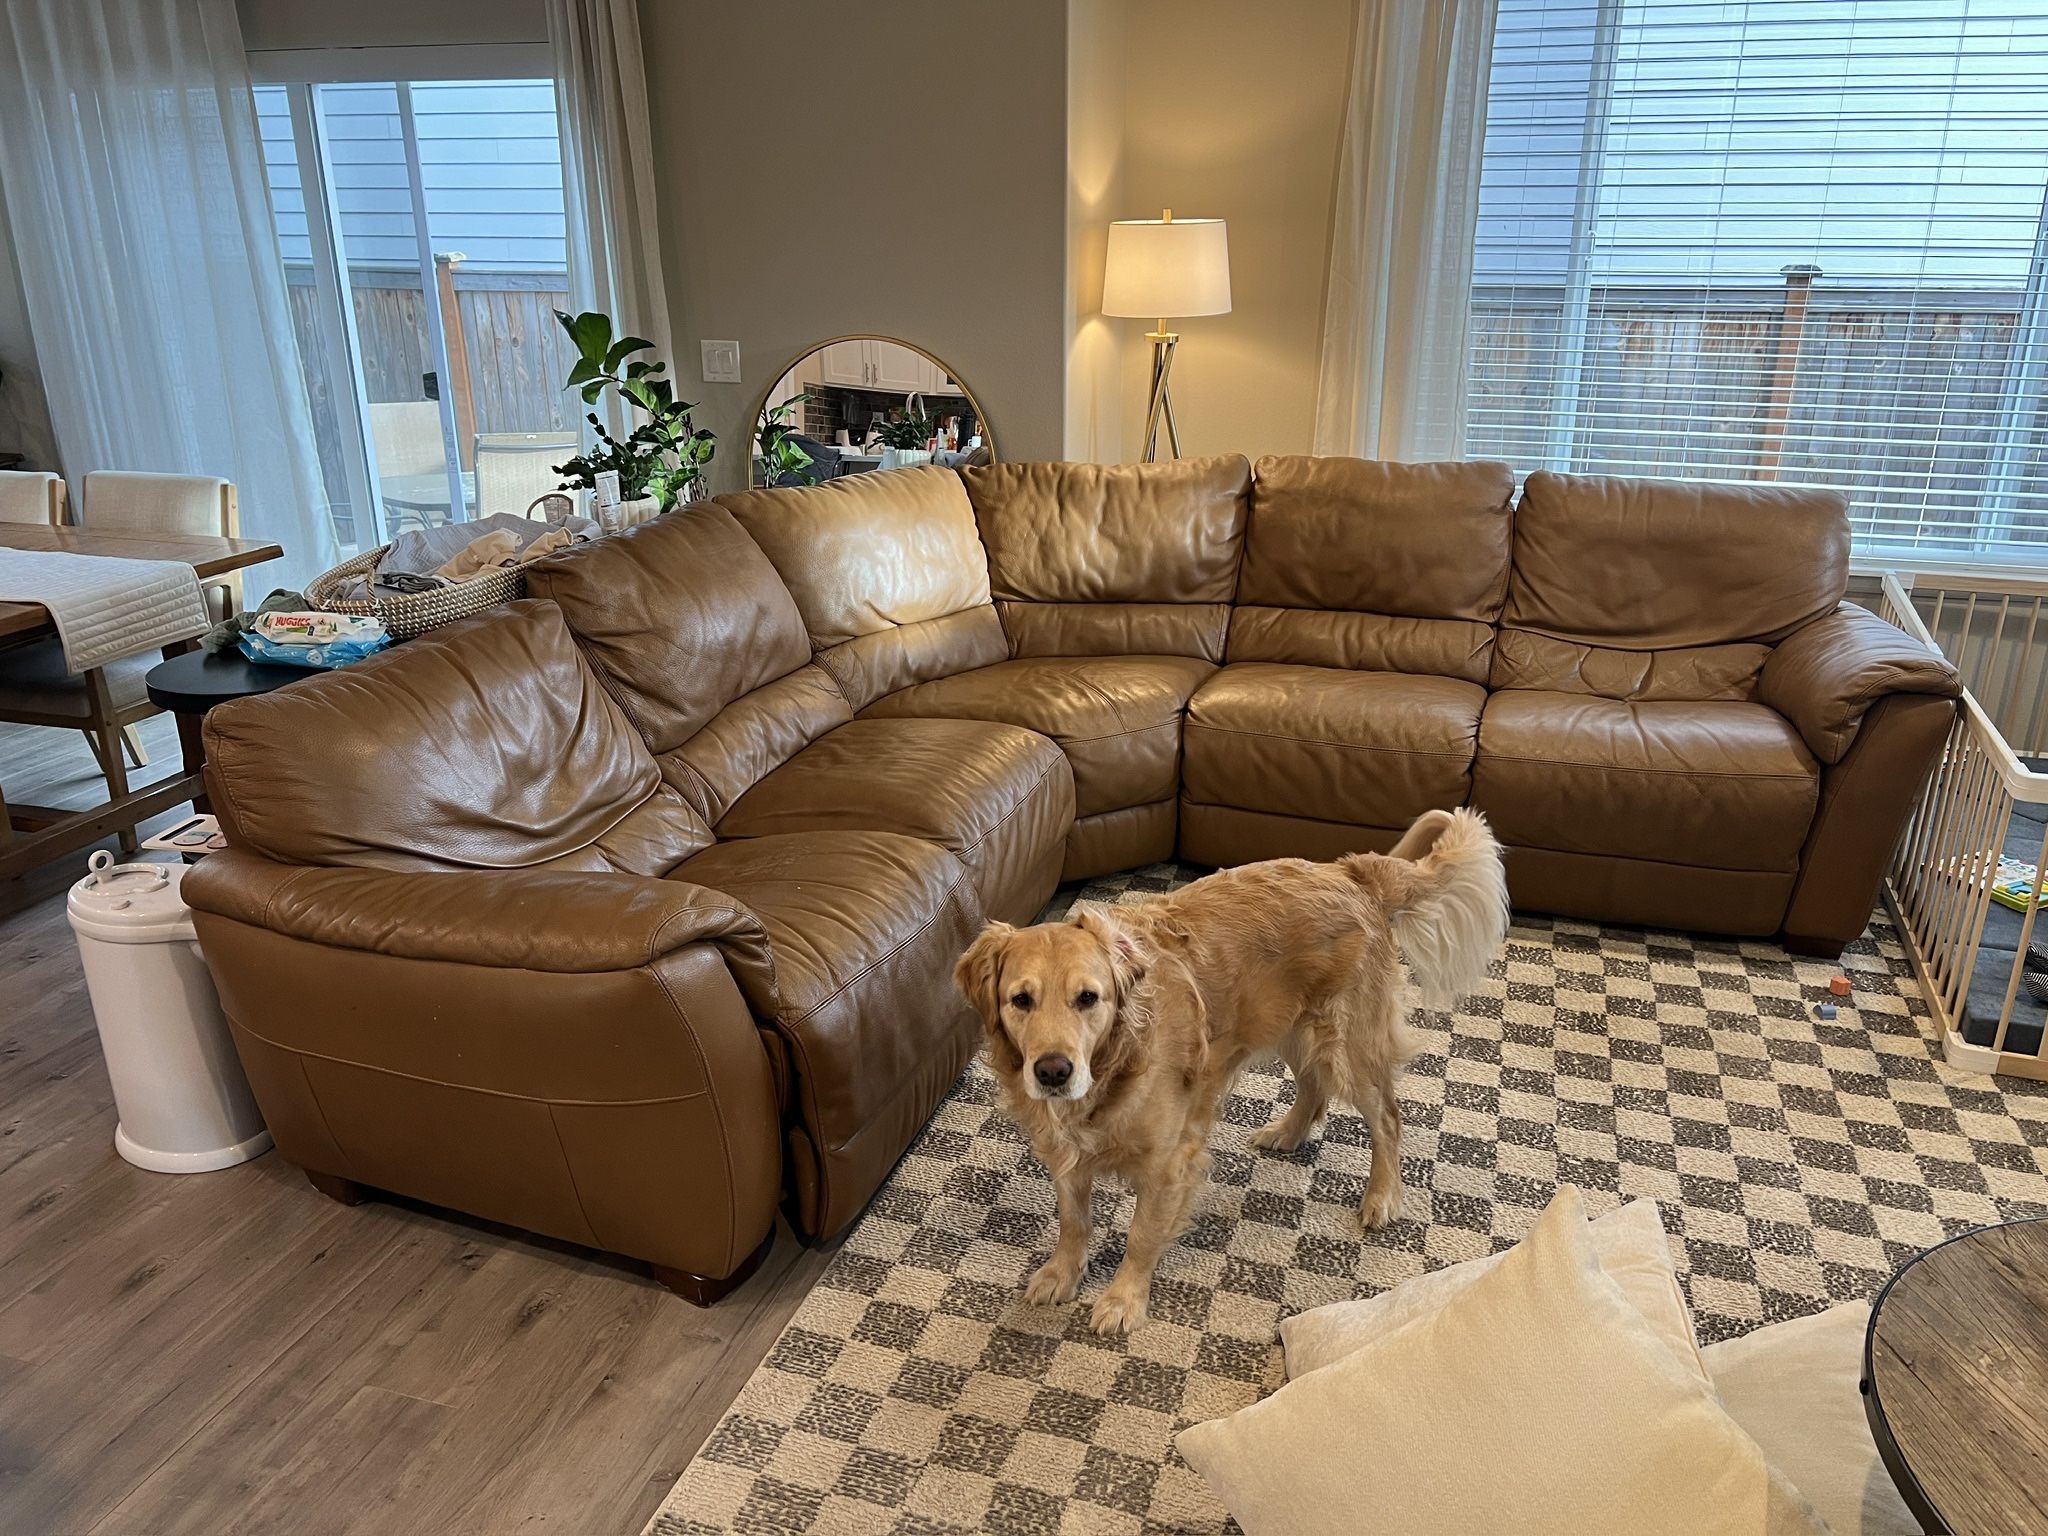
701, 1290
1814, 949
347, 1191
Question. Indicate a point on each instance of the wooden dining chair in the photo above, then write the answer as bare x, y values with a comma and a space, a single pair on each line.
36, 498
38, 687
190, 504
31, 496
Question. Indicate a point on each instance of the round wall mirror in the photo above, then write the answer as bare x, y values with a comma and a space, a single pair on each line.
860, 403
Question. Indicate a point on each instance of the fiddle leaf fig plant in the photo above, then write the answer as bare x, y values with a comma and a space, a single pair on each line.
780, 458
666, 453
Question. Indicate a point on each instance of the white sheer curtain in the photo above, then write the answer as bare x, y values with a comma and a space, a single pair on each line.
608, 169
1392, 382
134, 187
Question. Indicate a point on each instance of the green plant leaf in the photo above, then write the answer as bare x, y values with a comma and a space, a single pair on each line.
623, 348
591, 332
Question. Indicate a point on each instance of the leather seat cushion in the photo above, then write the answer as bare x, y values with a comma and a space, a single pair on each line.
998, 797
1720, 784
1118, 718
35, 680
1369, 749
863, 931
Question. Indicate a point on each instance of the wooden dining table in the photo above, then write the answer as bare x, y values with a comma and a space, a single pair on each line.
34, 834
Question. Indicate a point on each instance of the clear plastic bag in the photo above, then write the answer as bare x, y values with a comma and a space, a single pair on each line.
338, 652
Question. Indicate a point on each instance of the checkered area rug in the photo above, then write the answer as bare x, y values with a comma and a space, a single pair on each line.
1796, 1163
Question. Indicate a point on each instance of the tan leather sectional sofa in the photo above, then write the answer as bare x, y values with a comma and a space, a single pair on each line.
626, 911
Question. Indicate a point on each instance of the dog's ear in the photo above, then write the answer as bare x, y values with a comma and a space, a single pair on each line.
1126, 957
979, 971
979, 978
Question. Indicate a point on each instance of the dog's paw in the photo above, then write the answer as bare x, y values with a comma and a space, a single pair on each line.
1120, 1309
1380, 1206
1279, 1137
1052, 1285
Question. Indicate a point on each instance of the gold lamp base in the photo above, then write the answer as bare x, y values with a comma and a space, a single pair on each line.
1161, 410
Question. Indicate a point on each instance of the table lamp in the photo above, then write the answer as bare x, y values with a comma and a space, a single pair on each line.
1165, 267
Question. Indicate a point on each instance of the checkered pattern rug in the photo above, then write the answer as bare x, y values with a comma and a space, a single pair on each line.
1796, 1162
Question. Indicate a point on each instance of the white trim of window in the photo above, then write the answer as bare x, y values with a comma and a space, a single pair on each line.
410, 61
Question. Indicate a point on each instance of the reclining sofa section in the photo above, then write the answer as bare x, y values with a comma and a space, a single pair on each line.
625, 911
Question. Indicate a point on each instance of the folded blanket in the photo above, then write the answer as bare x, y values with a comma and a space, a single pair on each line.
105, 607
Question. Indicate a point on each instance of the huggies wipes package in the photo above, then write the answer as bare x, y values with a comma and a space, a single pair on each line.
306, 638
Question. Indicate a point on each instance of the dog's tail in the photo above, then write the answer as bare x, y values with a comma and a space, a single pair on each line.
1447, 898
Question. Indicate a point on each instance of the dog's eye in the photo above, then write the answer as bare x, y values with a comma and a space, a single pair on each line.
1085, 999
1021, 1002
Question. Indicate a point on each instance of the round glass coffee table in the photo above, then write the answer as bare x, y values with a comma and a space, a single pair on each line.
1955, 1381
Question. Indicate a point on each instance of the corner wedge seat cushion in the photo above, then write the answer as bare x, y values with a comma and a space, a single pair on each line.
1118, 718
1372, 749
863, 932
997, 797
1718, 784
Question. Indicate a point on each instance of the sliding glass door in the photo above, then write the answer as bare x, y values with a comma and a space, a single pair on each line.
423, 235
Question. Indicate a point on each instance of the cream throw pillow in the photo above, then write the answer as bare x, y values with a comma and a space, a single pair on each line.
1537, 1402
1797, 1388
1629, 1244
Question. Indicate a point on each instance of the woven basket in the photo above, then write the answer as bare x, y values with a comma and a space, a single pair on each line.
412, 613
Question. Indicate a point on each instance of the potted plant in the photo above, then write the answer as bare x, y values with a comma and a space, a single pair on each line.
903, 441
778, 458
661, 462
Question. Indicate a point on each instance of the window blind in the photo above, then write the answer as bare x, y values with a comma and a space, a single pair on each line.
1798, 241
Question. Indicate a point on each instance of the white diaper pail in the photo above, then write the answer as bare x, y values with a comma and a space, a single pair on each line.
183, 1102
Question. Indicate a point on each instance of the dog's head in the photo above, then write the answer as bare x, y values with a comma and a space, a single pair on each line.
1052, 998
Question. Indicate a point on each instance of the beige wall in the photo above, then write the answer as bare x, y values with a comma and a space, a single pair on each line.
1234, 111
276, 24
827, 169
808, 152
1098, 61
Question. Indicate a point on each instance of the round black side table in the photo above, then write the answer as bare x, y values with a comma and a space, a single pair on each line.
189, 685
1955, 1373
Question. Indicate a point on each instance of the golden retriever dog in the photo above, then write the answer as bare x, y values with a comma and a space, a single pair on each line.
1117, 1033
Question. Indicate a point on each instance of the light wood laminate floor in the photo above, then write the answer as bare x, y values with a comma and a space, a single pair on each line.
233, 1352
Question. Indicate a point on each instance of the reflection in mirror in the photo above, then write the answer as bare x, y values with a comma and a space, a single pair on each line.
861, 403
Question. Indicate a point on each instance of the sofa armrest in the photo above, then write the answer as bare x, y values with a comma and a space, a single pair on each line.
529, 919
1825, 677
564, 1052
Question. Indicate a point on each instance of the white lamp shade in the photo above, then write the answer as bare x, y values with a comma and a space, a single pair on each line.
1159, 268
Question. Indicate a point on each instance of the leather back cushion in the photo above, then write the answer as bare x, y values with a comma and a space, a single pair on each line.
1634, 564
1524, 659
487, 744
1113, 559
1375, 566
887, 571
683, 615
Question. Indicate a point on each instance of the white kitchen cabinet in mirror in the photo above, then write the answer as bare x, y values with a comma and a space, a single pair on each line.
860, 403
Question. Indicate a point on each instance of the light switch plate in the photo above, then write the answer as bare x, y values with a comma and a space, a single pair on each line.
721, 362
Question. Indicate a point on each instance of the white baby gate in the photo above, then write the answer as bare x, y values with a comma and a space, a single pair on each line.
1983, 804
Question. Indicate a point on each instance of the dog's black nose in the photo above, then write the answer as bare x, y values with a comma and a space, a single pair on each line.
1052, 1071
